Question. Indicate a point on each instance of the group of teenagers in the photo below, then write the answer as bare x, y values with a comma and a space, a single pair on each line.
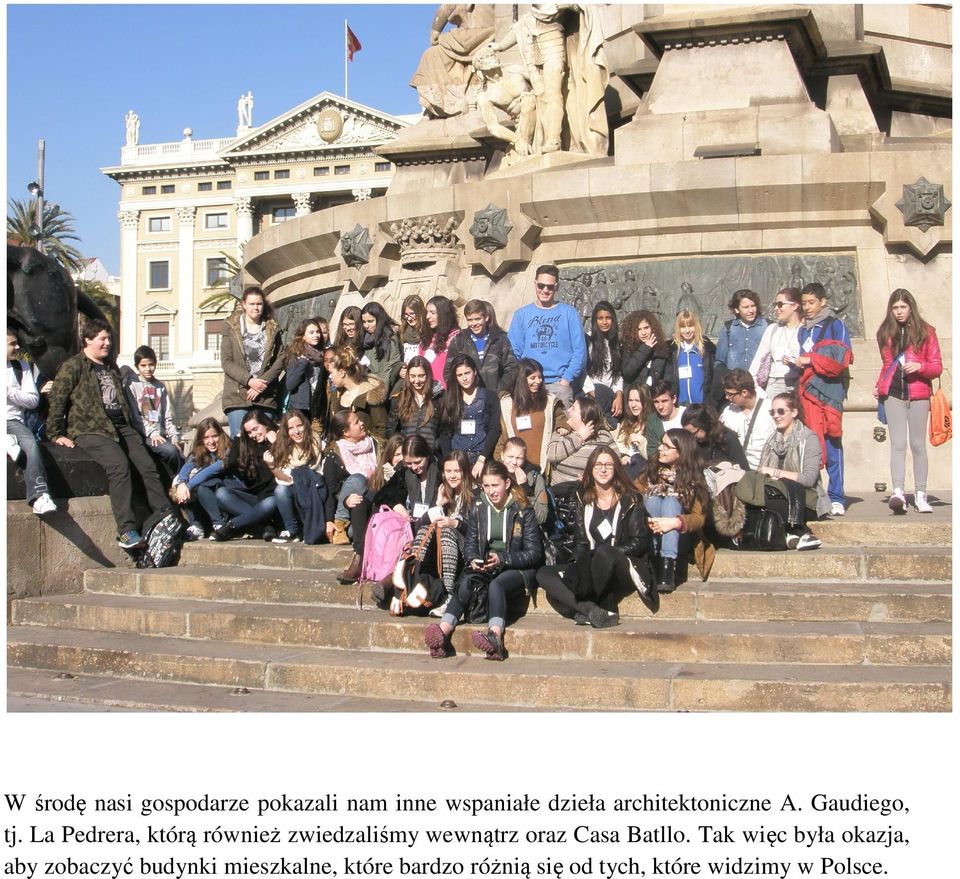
585, 464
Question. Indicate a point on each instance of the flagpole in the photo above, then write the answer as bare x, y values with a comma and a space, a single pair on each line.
345, 55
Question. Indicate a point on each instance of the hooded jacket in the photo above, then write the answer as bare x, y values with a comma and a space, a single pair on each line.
499, 367
524, 550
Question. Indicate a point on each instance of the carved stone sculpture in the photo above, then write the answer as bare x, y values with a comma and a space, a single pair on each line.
42, 306
245, 110
510, 91
491, 229
425, 239
444, 79
355, 246
133, 128
923, 205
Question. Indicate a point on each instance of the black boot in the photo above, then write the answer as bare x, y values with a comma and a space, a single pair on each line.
668, 576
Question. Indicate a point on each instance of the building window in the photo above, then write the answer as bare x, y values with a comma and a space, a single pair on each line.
261, 175
321, 172
158, 224
167, 189
148, 190
216, 269
206, 186
213, 332
281, 215
381, 166
283, 174
224, 184
160, 275
158, 338
215, 221
341, 169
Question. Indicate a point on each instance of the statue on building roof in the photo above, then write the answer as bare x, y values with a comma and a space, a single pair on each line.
245, 110
133, 128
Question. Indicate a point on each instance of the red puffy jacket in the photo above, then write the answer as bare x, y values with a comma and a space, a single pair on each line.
918, 383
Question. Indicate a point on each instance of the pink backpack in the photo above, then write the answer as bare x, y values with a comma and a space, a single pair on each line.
387, 534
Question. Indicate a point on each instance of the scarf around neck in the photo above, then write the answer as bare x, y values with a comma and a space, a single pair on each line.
358, 457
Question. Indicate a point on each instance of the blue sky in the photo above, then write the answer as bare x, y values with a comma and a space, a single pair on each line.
73, 71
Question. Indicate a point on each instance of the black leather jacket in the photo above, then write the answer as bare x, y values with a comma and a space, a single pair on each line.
524, 546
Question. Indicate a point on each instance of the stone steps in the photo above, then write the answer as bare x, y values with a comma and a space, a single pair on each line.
538, 635
858, 601
31, 690
525, 681
830, 562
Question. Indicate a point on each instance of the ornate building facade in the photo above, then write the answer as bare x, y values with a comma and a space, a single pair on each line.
188, 207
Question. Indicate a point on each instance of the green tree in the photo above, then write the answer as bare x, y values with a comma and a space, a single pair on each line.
58, 231
107, 302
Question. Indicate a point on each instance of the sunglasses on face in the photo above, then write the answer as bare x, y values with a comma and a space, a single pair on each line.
779, 411
780, 304
549, 287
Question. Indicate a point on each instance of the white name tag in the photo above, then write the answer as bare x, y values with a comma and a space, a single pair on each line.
685, 372
902, 359
604, 529
153, 416
419, 510
430, 354
468, 427
524, 422
410, 349
808, 345
650, 381
435, 513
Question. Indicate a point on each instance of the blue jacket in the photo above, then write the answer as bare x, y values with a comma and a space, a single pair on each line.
551, 336
201, 476
297, 381
738, 342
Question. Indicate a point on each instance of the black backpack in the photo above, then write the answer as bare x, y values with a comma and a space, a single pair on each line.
164, 535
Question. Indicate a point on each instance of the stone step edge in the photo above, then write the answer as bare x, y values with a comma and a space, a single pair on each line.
530, 683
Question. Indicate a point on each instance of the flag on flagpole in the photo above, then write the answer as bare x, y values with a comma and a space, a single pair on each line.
353, 44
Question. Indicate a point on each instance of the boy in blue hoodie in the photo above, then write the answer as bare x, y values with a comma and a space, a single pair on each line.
550, 332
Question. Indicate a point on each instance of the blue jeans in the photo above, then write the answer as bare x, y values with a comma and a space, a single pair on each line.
669, 543
287, 507
244, 508
505, 584
34, 474
355, 483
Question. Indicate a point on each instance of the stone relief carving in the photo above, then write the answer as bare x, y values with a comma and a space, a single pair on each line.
362, 194
186, 215
354, 129
289, 314
923, 205
129, 219
329, 124
508, 90
444, 78
705, 284
244, 206
355, 246
303, 203
425, 239
491, 228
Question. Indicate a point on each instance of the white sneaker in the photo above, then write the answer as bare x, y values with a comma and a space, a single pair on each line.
193, 532
921, 503
837, 509
807, 541
44, 504
897, 502
439, 611
13, 447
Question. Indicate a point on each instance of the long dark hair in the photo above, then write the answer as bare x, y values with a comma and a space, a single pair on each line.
702, 416
523, 401
284, 446
351, 312
248, 451
446, 324
202, 457
407, 407
630, 425
383, 336
597, 363
689, 482
465, 495
452, 405
297, 345
384, 457
898, 336
417, 447
621, 481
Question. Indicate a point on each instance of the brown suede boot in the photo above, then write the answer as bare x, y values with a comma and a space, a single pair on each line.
340, 537
351, 573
